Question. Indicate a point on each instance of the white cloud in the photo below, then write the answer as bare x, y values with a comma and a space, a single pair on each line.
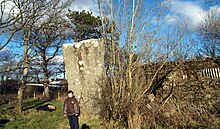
58, 59
87, 5
192, 12
9, 8
79, 5
171, 18
215, 10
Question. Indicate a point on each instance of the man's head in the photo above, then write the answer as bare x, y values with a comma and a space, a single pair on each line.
70, 93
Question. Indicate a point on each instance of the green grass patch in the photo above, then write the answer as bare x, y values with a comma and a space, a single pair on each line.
32, 119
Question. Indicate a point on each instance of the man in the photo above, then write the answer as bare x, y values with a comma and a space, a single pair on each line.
71, 109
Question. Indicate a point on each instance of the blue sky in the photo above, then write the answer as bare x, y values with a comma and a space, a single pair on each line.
190, 11
194, 11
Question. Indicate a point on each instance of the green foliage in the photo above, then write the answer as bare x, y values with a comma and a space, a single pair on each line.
85, 25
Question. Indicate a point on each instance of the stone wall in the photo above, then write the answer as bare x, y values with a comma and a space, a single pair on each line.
84, 63
176, 102
201, 69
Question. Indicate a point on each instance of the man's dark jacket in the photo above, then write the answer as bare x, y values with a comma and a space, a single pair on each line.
71, 106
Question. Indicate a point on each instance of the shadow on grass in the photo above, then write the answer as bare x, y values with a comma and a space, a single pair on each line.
3, 122
34, 104
46, 107
27, 105
85, 126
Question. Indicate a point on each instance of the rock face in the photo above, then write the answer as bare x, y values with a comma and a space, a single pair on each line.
84, 63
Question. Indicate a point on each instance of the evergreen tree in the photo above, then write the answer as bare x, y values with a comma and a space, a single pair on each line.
84, 25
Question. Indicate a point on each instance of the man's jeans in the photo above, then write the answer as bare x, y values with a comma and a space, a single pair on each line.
73, 120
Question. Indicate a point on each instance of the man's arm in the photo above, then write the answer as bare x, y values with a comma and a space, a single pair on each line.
65, 108
76, 107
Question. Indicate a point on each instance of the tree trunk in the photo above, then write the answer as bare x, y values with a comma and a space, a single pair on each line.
25, 75
134, 119
20, 98
46, 90
22, 86
46, 77
2, 80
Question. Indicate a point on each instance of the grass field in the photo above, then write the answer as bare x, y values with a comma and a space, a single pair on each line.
32, 119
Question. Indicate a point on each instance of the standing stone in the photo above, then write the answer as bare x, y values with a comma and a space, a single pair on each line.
84, 63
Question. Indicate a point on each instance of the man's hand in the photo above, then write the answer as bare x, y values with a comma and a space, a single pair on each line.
64, 115
76, 114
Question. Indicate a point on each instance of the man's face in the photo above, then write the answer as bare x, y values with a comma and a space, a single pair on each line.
70, 95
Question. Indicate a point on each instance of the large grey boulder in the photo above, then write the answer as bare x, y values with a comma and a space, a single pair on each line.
84, 63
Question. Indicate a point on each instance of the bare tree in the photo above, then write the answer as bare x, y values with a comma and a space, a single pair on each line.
51, 37
28, 23
209, 34
8, 17
7, 63
134, 43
